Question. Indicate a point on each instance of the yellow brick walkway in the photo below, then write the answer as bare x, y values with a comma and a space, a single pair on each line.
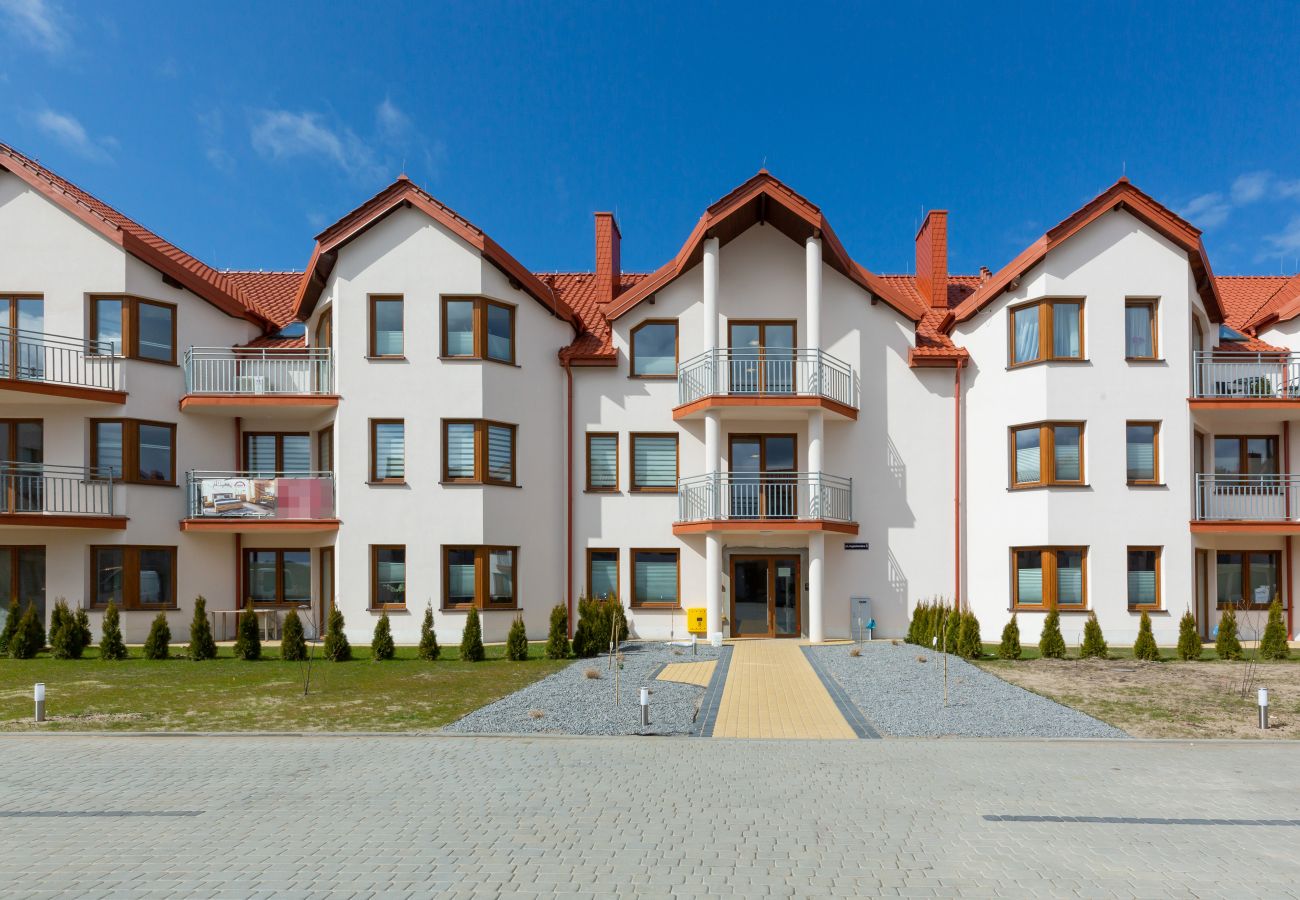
698, 673
772, 692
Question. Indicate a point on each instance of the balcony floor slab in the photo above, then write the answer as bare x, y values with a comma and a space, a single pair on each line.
24, 391
287, 406
1244, 527
760, 406
774, 526
56, 520
259, 526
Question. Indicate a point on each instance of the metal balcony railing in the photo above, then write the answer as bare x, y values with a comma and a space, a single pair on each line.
259, 371
56, 359
760, 496
1246, 376
761, 372
259, 495
1248, 498
42, 489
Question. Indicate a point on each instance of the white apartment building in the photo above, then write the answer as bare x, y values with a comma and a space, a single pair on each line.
762, 429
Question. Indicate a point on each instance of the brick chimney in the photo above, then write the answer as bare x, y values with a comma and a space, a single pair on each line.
609, 265
932, 259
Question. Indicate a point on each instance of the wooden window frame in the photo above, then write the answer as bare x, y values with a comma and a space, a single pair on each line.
481, 467
371, 301
323, 333
325, 585
374, 455
1159, 604
325, 449
1050, 600
632, 557
1155, 452
375, 550
13, 590
631, 350
479, 329
1152, 304
1046, 455
618, 474
618, 568
1242, 440
1045, 332
131, 576
131, 450
279, 601
482, 589
279, 446
130, 324
677, 456
1244, 603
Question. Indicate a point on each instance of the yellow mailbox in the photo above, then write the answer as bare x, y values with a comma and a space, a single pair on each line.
696, 620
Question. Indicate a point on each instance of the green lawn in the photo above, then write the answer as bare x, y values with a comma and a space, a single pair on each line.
226, 694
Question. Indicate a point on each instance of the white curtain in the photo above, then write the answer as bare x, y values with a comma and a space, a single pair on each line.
1065, 330
1026, 329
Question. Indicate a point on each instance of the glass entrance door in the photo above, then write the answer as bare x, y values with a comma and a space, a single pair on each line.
762, 357
765, 596
762, 476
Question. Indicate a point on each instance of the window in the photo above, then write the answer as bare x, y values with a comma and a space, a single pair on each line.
478, 328
325, 449
1143, 577
1143, 439
1046, 329
134, 451
654, 462
277, 577
602, 462
654, 578
133, 577
1245, 455
1050, 453
134, 327
324, 330
22, 578
387, 576
1249, 579
602, 573
654, 349
1043, 577
269, 453
386, 327
1140, 329
387, 451
475, 451
479, 576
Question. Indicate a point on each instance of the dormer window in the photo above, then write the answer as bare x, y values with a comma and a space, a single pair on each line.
654, 349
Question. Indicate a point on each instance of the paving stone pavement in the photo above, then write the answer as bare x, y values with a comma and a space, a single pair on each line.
413, 816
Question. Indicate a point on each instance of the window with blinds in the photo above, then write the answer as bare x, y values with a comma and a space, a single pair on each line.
500, 453
1142, 449
386, 326
478, 452
479, 576
387, 577
1046, 454
654, 462
387, 450
135, 451
1045, 577
602, 573
478, 328
602, 462
266, 455
1144, 577
654, 578
458, 438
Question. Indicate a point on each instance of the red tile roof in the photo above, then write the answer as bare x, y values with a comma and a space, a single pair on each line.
581, 293
933, 345
1281, 305
273, 294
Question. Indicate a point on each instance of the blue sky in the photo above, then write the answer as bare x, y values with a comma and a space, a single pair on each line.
238, 130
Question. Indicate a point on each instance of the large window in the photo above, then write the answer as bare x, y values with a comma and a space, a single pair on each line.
277, 577
478, 328
602, 573
1140, 329
1245, 455
1046, 329
134, 327
134, 451
602, 462
1043, 577
1248, 578
269, 453
1049, 453
387, 451
133, 577
22, 578
386, 338
476, 451
654, 462
387, 576
654, 349
1143, 577
654, 578
479, 576
1143, 452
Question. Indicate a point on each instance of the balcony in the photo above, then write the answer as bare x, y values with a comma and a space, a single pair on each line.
759, 380
1245, 380
1251, 504
765, 502
36, 367
37, 495
295, 381
267, 502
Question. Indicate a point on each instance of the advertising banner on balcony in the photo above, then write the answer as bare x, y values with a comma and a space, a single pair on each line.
238, 497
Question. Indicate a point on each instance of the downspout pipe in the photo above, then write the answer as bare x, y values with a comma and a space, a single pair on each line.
1286, 492
956, 481
568, 492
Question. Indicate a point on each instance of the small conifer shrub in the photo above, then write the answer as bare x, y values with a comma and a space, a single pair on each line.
158, 644
381, 645
969, 643
598, 621
248, 637
1094, 643
471, 640
1189, 642
69, 632
1226, 644
59, 616
111, 645
1051, 644
1272, 644
29, 638
951, 629
1145, 645
202, 646
429, 649
12, 618
79, 634
336, 647
293, 646
517, 641
557, 639
1010, 646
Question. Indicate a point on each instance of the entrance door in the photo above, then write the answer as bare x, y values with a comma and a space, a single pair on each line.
762, 357
22, 452
22, 326
765, 596
762, 476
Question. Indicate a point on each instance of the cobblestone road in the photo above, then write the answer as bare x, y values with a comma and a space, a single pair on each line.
412, 816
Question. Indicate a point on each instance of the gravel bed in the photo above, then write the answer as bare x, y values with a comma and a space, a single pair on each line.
904, 697
572, 703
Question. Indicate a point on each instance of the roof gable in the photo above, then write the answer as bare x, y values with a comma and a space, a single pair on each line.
1284, 304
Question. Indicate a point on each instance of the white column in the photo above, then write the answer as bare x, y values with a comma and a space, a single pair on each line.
710, 267
816, 559
816, 423
813, 314
713, 584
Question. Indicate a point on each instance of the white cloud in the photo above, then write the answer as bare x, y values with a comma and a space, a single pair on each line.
69, 132
1207, 210
392, 121
1250, 187
1285, 242
37, 22
1213, 209
280, 134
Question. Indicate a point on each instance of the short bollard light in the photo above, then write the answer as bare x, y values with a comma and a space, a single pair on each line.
38, 694
693, 650
645, 707
1263, 707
